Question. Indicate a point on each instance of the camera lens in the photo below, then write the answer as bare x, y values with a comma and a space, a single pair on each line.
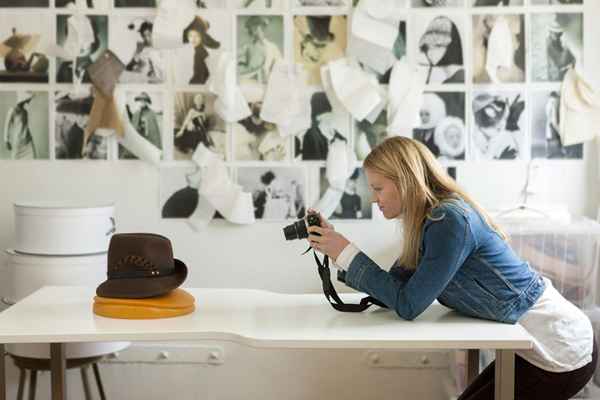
297, 230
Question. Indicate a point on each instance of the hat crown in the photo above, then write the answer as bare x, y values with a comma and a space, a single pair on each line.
139, 255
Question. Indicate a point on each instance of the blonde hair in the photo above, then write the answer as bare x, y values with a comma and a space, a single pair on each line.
422, 183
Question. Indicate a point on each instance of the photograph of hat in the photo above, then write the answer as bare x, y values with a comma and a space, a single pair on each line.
141, 265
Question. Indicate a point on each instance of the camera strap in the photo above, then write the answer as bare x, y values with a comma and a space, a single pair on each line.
330, 292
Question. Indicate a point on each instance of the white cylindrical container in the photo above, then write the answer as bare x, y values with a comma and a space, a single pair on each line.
28, 273
63, 229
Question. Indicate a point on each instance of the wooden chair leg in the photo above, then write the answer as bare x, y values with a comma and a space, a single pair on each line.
21, 389
32, 384
98, 381
85, 382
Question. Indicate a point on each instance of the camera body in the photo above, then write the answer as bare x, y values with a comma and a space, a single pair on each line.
298, 230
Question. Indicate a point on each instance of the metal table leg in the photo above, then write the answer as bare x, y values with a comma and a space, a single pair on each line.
505, 375
472, 365
2, 373
58, 365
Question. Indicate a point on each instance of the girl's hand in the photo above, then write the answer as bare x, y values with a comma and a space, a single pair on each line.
329, 242
324, 222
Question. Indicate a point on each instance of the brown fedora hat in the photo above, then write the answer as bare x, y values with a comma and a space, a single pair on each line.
141, 265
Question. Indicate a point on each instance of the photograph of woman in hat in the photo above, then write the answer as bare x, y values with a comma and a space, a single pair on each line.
437, 107
367, 135
146, 120
23, 39
498, 48
260, 45
25, 125
440, 50
72, 115
196, 122
498, 132
146, 61
197, 36
557, 43
319, 39
452, 251
355, 202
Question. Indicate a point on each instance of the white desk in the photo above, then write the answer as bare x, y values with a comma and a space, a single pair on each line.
255, 318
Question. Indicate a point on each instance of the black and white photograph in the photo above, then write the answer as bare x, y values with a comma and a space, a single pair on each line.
556, 45
313, 144
496, 3
136, 3
498, 130
23, 43
398, 50
255, 139
499, 48
24, 3
24, 120
438, 3
68, 71
545, 119
356, 200
203, 36
442, 125
196, 122
367, 135
555, 2
93, 4
439, 51
145, 111
278, 193
320, 3
131, 41
72, 116
260, 45
260, 4
179, 192
319, 39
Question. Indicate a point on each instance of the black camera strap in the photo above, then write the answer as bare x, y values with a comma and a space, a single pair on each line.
330, 292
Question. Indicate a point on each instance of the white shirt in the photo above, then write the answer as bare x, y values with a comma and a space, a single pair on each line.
562, 333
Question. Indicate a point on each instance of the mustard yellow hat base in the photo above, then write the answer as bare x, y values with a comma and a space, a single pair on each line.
173, 304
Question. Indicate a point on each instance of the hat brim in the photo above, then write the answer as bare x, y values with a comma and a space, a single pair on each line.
140, 288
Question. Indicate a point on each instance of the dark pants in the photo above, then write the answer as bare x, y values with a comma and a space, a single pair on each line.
532, 382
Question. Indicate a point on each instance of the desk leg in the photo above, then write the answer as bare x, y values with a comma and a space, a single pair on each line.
505, 375
58, 364
472, 365
2, 373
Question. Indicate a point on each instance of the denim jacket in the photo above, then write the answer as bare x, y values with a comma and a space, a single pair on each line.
463, 264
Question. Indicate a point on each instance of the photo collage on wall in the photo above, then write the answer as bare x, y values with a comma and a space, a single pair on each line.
492, 69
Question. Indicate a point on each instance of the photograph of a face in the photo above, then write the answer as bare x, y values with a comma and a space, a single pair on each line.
131, 41
319, 39
439, 51
197, 123
260, 45
255, 139
313, 144
24, 39
498, 130
545, 122
442, 125
278, 193
24, 120
24, 3
72, 116
499, 48
556, 45
356, 200
145, 112
203, 35
438, 3
69, 71
367, 135
496, 3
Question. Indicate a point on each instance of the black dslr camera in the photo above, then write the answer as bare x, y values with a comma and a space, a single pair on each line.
298, 230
